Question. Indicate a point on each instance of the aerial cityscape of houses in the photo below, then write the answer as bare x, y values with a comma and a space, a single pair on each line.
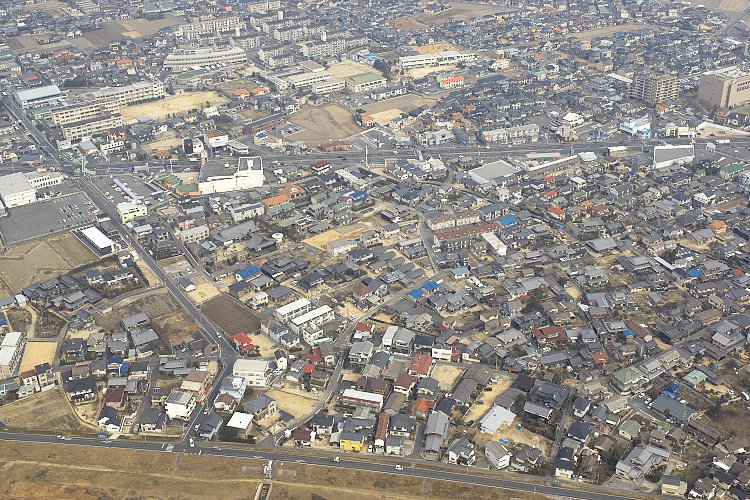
483, 236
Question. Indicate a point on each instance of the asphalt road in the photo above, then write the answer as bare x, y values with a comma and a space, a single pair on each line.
227, 354
292, 456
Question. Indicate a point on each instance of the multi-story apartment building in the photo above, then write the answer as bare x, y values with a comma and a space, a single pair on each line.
292, 310
324, 48
263, 6
216, 26
655, 89
529, 132
186, 58
11, 352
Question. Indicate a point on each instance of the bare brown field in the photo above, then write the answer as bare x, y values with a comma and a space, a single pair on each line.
37, 353
43, 471
349, 68
174, 104
49, 411
27, 263
231, 316
321, 124
331, 483
462, 11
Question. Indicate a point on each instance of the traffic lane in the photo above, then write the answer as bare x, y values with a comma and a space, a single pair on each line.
319, 461
415, 472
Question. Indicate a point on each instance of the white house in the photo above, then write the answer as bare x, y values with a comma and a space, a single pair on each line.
256, 372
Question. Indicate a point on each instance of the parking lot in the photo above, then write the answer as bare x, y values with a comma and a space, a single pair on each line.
114, 194
47, 217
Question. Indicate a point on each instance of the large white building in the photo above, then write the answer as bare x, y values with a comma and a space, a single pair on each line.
20, 188
11, 352
91, 126
182, 59
256, 372
673, 155
179, 404
214, 26
447, 58
131, 94
249, 175
291, 310
312, 319
40, 96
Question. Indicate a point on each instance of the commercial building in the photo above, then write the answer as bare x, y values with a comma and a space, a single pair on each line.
638, 127
40, 96
98, 239
20, 188
256, 372
364, 82
11, 352
131, 211
91, 126
671, 155
15, 190
724, 88
249, 175
441, 59
654, 88
182, 59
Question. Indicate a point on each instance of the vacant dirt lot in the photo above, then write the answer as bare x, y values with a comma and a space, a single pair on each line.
461, 11
293, 402
349, 68
48, 411
332, 483
28, 263
487, 398
407, 24
321, 240
203, 291
403, 103
130, 28
446, 375
322, 124
37, 353
41, 471
169, 320
231, 316
174, 104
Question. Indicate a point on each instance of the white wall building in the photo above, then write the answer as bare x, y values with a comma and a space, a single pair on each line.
249, 175
179, 404
256, 372
312, 319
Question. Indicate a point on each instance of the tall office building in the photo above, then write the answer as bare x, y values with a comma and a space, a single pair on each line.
724, 88
655, 89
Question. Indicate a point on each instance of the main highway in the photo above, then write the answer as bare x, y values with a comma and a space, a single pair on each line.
293, 456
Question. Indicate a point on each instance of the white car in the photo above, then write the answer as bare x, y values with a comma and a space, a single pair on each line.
192, 443
399, 467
